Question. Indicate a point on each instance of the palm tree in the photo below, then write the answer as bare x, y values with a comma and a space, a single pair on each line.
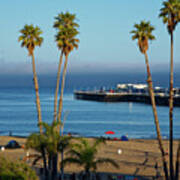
84, 154
143, 33
30, 38
63, 20
170, 13
48, 145
69, 43
38, 143
66, 42
53, 140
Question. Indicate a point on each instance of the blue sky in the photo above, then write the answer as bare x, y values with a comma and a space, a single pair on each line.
105, 41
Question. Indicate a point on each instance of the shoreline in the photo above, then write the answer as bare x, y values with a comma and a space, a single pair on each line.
106, 137
76, 134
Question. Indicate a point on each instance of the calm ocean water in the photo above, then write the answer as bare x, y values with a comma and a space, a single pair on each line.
18, 115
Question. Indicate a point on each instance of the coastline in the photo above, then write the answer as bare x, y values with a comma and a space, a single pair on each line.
138, 158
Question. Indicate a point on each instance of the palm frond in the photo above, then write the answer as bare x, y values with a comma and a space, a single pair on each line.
66, 32
64, 143
30, 37
107, 160
98, 142
170, 14
73, 152
39, 157
84, 153
71, 160
143, 33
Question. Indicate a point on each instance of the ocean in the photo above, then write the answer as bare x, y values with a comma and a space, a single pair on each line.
85, 118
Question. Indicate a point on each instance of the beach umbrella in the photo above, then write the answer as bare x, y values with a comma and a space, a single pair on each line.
109, 132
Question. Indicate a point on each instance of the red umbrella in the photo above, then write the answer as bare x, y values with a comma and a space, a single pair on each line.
109, 132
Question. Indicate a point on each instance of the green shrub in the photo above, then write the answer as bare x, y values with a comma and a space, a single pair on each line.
15, 171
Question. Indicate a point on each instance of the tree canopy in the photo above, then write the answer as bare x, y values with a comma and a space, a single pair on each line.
143, 33
30, 37
66, 32
170, 13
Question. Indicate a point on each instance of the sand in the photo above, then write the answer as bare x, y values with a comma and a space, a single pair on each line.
138, 156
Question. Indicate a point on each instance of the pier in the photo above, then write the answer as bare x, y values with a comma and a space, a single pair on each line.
131, 93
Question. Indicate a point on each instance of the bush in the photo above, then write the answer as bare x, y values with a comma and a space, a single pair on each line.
15, 171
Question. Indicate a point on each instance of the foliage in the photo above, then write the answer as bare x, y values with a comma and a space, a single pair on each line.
35, 141
15, 171
143, 32
84, 154
52, 137
67, 30
30, 37
170, 13
50, 140
65, 20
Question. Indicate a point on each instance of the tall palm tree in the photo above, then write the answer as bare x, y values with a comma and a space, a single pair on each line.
63, 20
84, 154
170, 13
66, 39
143, 33
30, 38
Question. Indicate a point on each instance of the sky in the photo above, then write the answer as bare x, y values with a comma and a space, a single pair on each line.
105, 40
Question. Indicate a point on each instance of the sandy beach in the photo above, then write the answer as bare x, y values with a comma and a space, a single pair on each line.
138, 156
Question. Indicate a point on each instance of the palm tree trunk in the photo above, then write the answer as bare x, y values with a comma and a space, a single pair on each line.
62, 91
86, 175
54, 166
62, 165
50, 163
151, 93
37, 95
44, 162
171, 94
177, 162
57, 86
